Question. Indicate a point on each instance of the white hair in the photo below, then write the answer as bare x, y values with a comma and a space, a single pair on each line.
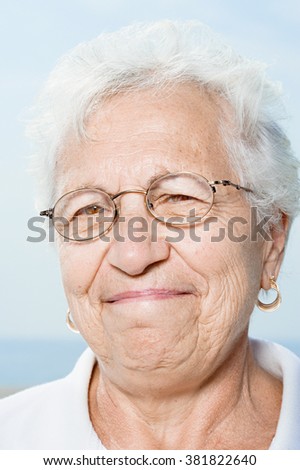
158, 55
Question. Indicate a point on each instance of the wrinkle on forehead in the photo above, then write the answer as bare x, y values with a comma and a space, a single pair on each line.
181, 101
140, 134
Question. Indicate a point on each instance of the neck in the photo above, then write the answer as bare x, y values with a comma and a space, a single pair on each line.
225, 410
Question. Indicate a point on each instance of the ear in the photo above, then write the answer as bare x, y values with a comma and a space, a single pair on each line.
274, 251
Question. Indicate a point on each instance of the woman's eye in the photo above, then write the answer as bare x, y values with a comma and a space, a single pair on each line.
178, 198
90, 210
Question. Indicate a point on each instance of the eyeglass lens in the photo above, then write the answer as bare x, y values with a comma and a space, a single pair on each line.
178, 198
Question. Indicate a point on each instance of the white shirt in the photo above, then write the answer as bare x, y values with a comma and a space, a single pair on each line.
56, 416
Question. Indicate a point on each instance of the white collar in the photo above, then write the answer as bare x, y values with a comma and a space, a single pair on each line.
285, 365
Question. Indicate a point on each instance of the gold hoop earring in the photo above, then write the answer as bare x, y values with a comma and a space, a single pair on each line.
273, 305
70, 323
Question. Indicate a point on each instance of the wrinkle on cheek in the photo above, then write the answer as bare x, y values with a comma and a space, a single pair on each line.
79, 267
89, 321
223, 312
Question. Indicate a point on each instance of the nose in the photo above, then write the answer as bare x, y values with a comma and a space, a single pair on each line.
135, 241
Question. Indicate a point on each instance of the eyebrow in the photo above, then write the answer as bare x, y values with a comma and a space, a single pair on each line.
154, 177
157, 175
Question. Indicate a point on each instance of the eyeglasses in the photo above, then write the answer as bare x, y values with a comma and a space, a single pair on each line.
174, 199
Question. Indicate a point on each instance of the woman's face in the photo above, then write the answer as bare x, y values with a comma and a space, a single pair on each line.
168, 308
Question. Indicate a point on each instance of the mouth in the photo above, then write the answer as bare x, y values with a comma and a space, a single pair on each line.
147, 294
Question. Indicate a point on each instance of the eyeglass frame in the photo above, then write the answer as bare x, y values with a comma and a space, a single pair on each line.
50, 212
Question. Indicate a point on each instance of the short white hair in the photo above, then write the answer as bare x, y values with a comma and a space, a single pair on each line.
158, 55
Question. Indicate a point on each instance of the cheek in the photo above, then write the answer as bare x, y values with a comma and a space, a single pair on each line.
232, 273
222, 242
79, 264
231, 269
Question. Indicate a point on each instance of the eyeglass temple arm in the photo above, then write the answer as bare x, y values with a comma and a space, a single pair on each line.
47, 213
229, 183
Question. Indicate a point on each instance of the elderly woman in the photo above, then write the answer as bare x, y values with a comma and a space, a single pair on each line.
172, 187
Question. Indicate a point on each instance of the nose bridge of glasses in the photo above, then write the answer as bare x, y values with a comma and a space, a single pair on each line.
127, 191
134, 203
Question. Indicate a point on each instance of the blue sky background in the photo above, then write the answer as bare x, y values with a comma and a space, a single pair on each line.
33, 35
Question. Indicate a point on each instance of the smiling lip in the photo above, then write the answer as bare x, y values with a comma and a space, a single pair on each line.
147, 294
